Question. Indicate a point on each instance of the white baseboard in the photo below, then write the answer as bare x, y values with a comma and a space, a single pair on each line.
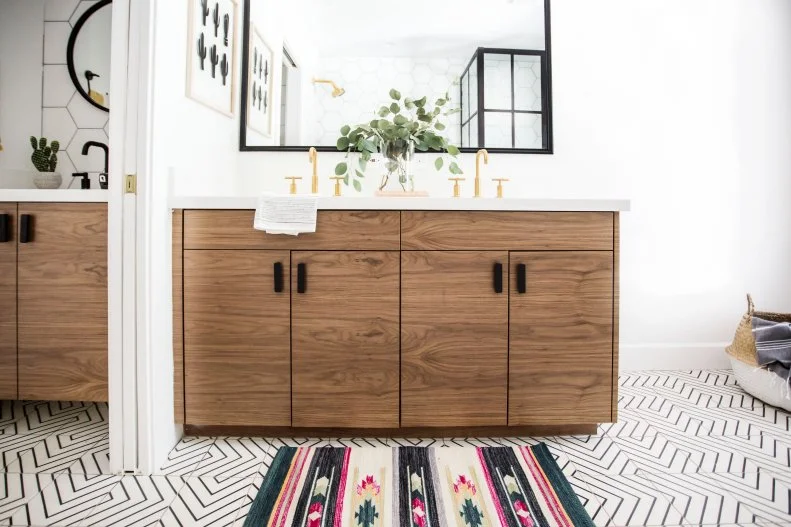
709, 355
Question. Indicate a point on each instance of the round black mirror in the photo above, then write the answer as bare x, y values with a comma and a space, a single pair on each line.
88, 54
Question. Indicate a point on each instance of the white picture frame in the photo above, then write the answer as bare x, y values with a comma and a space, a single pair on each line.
260, 76
211, 79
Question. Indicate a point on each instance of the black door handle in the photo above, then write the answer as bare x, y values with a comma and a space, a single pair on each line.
302, 278
5, 228
498, 278
278, 274
521, 279
25, 228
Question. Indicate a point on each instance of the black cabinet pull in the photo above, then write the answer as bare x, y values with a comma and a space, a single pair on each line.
278, 277
302, 278
521, 278
498, 278
25, 228
5, 228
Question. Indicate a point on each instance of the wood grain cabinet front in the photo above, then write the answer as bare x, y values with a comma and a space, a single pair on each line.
344, 338
561, 338
454, 338
62, 301
8, 347
237, 367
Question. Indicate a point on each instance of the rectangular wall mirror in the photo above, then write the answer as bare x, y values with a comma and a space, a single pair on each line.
311, 67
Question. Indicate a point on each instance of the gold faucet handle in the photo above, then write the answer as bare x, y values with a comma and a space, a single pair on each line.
456, 187
499, 181
292, 188
338, 180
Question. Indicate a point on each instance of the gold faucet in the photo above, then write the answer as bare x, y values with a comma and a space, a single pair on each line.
478, 154
313, 157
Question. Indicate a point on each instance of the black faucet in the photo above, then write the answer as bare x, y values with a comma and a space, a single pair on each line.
103, 176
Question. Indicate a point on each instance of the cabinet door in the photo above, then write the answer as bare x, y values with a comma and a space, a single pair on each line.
63, 302
345, 339
561, 338
454, 339
8, 389
236, 338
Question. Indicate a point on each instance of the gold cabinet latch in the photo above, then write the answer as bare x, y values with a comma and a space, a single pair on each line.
130, 184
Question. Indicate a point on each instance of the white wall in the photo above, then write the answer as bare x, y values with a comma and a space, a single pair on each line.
21, 49
684, 107
201, 146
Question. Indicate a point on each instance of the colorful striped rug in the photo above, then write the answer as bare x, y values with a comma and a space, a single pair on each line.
416, 487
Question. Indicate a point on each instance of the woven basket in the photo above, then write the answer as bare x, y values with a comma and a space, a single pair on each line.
743, 345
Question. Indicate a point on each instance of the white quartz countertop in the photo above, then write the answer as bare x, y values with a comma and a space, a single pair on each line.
54, 196
416, 203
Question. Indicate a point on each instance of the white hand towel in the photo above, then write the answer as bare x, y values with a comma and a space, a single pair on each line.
286, 214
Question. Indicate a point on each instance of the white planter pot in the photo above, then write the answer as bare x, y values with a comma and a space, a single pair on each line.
47, 180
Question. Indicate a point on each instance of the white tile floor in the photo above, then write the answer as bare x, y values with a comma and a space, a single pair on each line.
690, 448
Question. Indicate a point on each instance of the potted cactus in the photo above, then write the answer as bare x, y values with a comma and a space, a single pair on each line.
45, 159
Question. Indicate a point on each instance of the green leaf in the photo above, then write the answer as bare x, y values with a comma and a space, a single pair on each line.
436, 111
346, 180
357, 186
359, 174
420, 103
384, 124
425, 118
409, 103
421, 146
453, 150
395, 108
363, 163
454, 168
343, 143
395, 95
438, 163
345, 129
368, 145
341, 169
439, 126
384, 111
440, 102
375, 123
400, 120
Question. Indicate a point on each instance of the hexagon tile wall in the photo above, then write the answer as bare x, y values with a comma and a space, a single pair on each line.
66, 116
367, 81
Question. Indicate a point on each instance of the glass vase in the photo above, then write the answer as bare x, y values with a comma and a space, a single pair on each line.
398, 175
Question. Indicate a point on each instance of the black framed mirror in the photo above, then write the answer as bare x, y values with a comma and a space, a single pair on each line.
317, 74
88, 54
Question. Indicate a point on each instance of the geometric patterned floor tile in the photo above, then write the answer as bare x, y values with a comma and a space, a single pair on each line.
94, 461
630, 500
18, 489
67, 501
136, 500
737, 453
660, 454
59, 451
766, 495
186, 455
700, 499
599, 454
233, 458
204, 501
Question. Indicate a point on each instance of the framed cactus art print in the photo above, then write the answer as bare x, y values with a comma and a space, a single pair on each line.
260, 97
211, 49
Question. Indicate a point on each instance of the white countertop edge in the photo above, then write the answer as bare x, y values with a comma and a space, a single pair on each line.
397, 203
54, 196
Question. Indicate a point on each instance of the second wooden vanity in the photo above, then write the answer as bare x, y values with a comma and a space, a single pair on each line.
397, 320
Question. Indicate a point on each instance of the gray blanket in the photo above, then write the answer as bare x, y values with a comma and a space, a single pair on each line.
773, 346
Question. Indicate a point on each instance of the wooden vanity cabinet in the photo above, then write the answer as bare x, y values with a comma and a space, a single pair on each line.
8, 347
454, 338
410, 320
237, 366
344, 339
561, 338
62, 302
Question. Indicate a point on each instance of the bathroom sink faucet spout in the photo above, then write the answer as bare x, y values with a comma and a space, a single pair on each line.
87, 146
